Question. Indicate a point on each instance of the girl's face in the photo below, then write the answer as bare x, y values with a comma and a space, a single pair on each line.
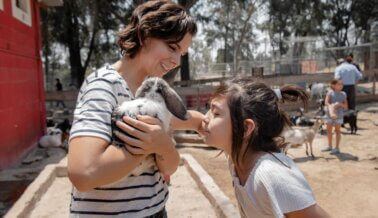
338, 86
217, 125
159, 57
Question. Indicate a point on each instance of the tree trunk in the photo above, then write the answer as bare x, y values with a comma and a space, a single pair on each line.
45, 46
242, 35
94, 32
185, 71
72, 39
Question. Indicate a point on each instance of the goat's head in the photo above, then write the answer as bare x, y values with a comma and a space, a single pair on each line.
318, 122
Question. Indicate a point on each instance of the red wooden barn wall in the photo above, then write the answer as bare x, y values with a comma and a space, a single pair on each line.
22, 109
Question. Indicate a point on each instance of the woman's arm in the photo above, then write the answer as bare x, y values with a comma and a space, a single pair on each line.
314, 211
92, 162
192, 123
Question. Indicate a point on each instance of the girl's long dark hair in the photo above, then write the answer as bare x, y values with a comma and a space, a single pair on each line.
257, 101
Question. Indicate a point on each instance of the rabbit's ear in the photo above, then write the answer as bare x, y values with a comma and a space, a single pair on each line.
173, 101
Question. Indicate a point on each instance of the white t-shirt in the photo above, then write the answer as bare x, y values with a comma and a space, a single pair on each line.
272, 189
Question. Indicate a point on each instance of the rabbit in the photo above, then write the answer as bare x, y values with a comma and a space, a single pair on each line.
154, 98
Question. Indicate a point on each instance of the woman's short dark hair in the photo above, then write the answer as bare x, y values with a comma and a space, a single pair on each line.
161, 19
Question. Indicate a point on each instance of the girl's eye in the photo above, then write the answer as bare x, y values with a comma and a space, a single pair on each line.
172, 47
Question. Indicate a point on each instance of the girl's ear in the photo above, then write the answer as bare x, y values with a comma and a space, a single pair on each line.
249, 126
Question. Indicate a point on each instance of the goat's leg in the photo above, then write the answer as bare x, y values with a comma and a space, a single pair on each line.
306, 149
312, 153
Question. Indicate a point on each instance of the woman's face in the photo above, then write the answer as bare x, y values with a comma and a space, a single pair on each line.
217, 125
159, 57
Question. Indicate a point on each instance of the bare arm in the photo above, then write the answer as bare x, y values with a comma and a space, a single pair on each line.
345, 104
327, 100
168, 162
314, 211
193, 123
92, 162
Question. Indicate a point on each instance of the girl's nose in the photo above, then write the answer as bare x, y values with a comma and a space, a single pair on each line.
206, 119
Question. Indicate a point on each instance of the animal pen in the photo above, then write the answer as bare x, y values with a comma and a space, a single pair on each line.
313, 64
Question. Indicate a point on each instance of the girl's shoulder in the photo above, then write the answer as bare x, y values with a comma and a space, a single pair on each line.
278, 178
276, 169
330, 92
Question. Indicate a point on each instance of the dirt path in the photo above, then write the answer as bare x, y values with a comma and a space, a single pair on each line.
345, 185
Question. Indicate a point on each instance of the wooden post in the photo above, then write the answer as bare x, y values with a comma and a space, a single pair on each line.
374, 51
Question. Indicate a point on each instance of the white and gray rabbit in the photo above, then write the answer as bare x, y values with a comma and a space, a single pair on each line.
154, 98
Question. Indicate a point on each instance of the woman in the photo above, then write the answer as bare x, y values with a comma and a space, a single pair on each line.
158, 34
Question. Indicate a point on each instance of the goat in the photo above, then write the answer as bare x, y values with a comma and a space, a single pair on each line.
300, 119
296, 137
318, 90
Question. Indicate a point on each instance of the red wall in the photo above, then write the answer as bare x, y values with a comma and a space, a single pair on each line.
22, 109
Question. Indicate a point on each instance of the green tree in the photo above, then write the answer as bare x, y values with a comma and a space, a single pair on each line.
87, 29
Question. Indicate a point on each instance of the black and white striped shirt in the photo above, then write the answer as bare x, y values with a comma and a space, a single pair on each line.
132, 196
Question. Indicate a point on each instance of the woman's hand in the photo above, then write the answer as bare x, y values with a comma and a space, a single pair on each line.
150, 137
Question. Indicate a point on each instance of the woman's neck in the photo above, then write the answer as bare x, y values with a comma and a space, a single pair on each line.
132, 71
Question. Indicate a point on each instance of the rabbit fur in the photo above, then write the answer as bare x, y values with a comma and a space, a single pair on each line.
154, 98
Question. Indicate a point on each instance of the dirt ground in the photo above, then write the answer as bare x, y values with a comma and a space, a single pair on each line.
345, 185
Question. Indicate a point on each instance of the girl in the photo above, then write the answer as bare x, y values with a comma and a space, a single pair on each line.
245, 121
336, 102
158, 34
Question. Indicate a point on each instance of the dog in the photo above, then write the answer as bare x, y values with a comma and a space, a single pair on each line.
350, 117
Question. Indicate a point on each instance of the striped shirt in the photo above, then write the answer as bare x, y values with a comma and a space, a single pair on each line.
131, 196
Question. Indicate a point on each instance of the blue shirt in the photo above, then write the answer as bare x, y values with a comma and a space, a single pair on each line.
348, 73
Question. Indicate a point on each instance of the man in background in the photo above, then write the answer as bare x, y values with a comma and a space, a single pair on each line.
350, 76
349, 59
59, 88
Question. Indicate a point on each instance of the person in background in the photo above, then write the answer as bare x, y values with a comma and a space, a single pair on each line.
336, 103
59, 88
349, 75
349, 59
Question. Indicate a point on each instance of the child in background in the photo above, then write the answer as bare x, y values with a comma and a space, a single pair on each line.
336, 102
245, 121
